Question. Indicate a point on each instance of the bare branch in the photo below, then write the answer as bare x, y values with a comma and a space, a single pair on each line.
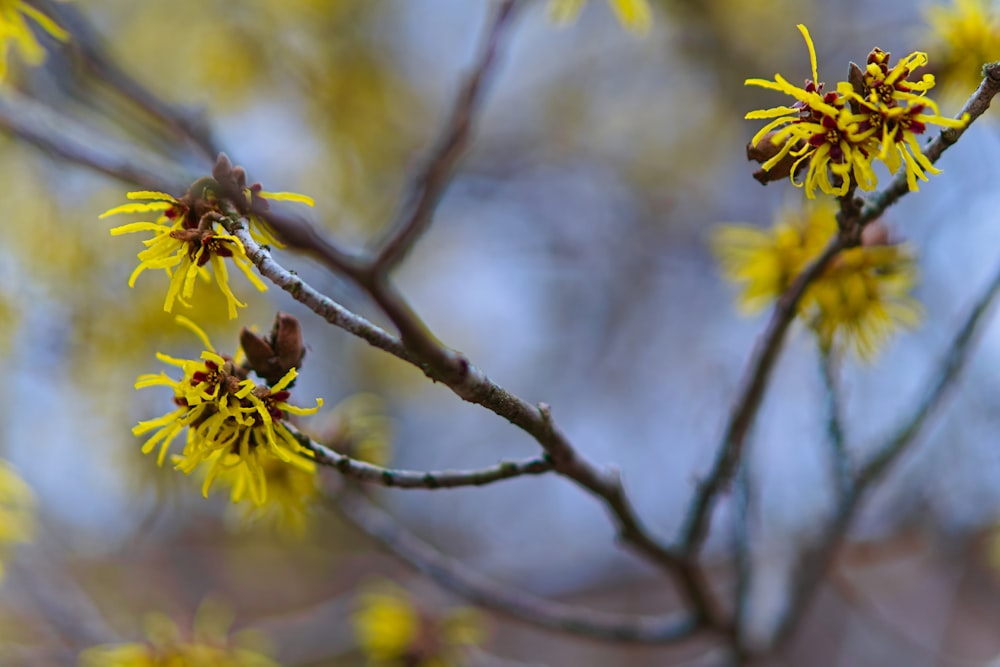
769, 344
472, 385
839, 456
815, 563
750, 396
951, 367
322, 305
418, 479
61, 135
458, 578
414, 216
87, 47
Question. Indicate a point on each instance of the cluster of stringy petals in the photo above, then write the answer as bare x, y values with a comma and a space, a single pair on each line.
189, 240
858, 302
234, 425
828, 140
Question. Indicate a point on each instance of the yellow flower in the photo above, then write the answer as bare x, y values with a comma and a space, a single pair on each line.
819, 131
357, 427
16, 31
964, 36
861, 298
209, 644
834, 136
392, 629
896, 125
291, 492
635, 15
185, 241
233, 424
17, 518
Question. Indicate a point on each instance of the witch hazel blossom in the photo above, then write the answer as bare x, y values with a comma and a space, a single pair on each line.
234, 425
189, 240
827, 141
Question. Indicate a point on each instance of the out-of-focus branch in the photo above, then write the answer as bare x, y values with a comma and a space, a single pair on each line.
474, 386
815, 564
458, 578
840, 458
420, 479
87, 47
751, 394
57, 134
417, 208
770, 342
951, 366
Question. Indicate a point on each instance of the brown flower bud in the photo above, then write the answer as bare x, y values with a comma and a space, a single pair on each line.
764, 151
272, 357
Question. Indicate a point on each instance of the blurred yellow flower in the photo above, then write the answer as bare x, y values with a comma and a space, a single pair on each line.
17, 511
392, 629
635, 15
16, 31
964, 36
209, 644
291, 492
357, 427
858, 302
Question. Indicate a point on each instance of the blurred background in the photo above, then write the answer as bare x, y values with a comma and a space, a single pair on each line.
568, 259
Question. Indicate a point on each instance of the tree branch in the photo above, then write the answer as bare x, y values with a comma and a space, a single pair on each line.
769, 344
840, 458
474, 386
816, 562
456, 577
57, 134
419, 479
751, 394
414, 215
951, 367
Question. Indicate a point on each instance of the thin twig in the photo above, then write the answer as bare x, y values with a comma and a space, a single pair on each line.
322, 305
769, 344
840, 458
952, 365
88, 47
815, 564
743, 553
419, 479
474, 386
750, 396
414, 216
61, 135
456, 577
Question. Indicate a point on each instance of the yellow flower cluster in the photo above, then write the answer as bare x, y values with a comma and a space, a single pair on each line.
834, 136
15, 30
964, 36
17, 515
234, 425
209, 645
635, 15
392, 629
188, 238
857, 302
